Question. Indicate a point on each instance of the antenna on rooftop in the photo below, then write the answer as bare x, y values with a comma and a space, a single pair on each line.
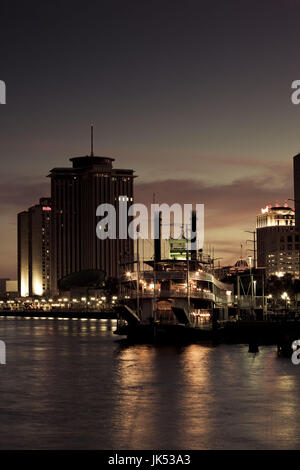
92, 139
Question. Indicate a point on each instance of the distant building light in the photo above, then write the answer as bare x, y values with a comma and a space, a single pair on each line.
279, 273
264, 210
46, 208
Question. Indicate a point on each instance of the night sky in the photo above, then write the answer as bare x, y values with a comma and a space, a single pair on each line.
194, 95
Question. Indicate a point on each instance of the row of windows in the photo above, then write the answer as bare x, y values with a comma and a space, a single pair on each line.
289, 247
289, 238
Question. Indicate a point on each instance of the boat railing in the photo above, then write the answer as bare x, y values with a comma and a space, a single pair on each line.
180, 293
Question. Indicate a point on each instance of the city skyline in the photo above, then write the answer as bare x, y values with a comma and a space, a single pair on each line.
219, 228
150, 228
191, 102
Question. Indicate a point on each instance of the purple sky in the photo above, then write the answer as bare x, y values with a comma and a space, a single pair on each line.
195, 96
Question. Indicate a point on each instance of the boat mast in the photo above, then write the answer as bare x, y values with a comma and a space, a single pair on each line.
188, 270
154, 263
154, 290
138, 277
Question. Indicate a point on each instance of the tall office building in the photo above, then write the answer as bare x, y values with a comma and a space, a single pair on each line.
297, 189
277, 241
76, 192
34, 249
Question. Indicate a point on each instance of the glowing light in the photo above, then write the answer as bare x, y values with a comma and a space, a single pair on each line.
285, 296
264, 210
201, 314
37, 287
24, 285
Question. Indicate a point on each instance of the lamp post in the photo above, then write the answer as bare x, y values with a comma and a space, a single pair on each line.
285, 297
297, 231
253, 233
251, 281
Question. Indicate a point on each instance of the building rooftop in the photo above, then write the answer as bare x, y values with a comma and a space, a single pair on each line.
88, 160
281, 208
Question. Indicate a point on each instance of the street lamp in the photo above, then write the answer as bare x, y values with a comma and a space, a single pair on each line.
285, 297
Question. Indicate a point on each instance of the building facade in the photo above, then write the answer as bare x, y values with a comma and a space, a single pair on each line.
8, 288
297, 189
76, 192
277, 241
34, 249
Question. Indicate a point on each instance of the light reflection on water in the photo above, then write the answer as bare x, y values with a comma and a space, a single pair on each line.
71, 384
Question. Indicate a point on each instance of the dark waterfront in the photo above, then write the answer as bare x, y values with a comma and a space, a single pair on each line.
70, 384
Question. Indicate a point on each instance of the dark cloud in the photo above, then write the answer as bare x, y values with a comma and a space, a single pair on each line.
243, 194
230, 209
22, 192
16, 195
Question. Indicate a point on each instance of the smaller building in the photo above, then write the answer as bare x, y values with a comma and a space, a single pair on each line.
177, 249
277, 241
8, 288
34, 249
240, 266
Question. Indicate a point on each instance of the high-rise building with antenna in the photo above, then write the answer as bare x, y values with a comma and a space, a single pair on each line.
76, 193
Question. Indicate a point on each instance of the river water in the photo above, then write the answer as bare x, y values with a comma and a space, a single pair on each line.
71, 384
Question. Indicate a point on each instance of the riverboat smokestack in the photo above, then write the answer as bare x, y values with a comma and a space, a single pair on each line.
194, 238
157, 241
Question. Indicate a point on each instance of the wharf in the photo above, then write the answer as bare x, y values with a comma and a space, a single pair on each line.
60, 314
